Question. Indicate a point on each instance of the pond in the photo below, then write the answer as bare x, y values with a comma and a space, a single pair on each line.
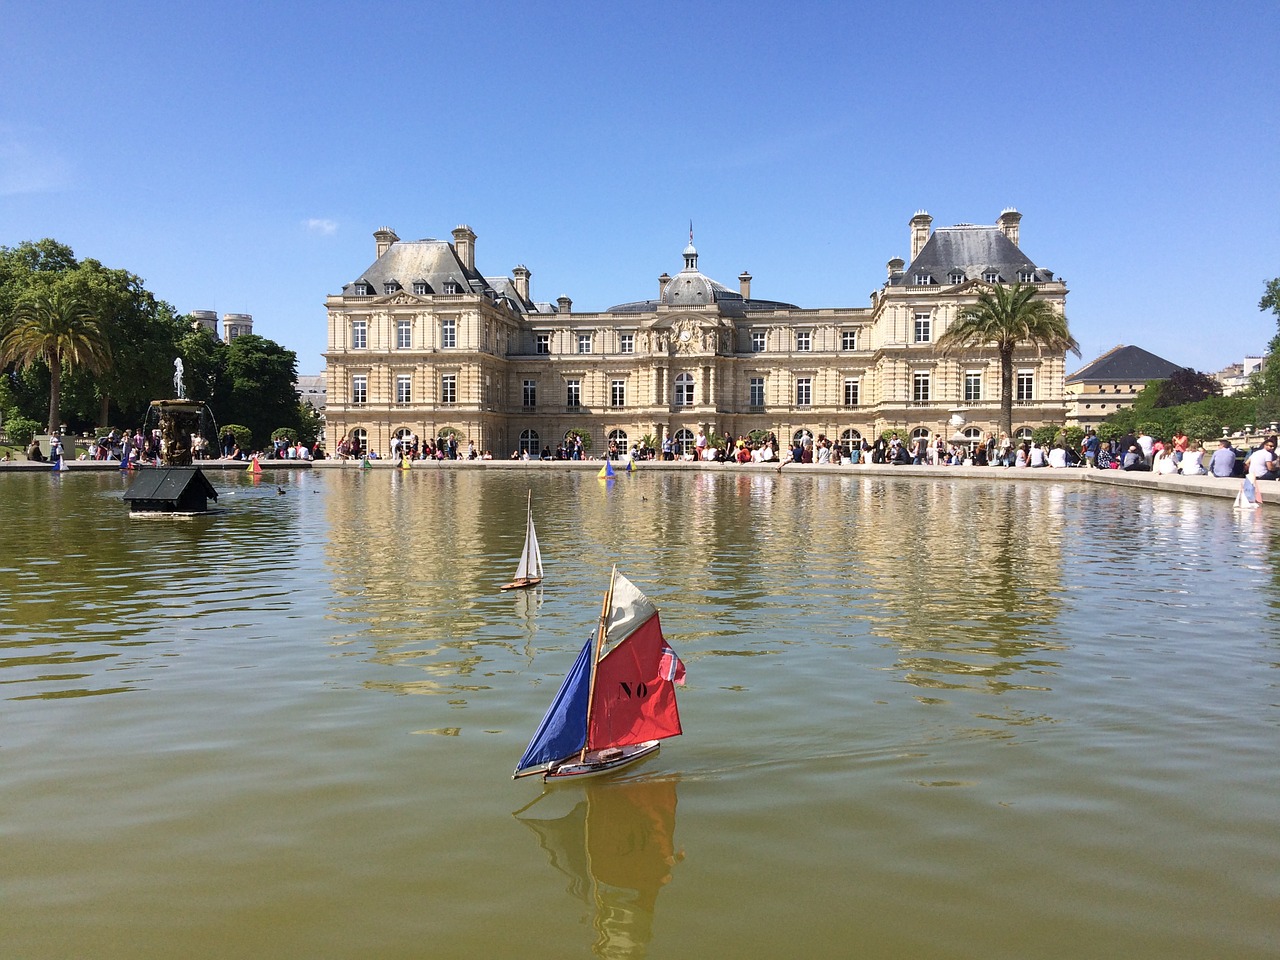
925, 718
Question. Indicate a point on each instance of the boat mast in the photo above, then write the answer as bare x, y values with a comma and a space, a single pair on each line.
601, 632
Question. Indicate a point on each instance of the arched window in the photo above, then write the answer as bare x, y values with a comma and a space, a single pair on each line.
972, 434
684, 390
619, 439
529, 444
359, 441
1022, 433
921, 433
683, 442
800, 436
850, 439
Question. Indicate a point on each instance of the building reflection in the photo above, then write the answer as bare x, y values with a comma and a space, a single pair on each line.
617, 849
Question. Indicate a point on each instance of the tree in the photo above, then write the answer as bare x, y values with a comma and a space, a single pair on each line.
1269, 383
1186, 386
1007, 318
59, 330
262, 377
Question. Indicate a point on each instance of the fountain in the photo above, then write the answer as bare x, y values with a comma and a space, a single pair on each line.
177, 486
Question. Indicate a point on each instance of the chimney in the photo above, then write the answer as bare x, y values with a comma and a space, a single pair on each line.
662, 284
464, 245
565, 304
895, 267
1008, 223
384, 237
522, 275
920, 224
744, 285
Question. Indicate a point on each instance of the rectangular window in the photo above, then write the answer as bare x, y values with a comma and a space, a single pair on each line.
420, 288
804, 339
389, 288
924, 328
757, 341
1026, 385
923, 279
848, 339
1026, 276
404, 334
804, 391
573, 393
991, 277
359, 389
448, 332
626, 343
359, 334
530, 394
920, 387
618, 393
362, 289
755, 392
972, 386
542, 343
449, 388
852, 392
584, 343
402, 387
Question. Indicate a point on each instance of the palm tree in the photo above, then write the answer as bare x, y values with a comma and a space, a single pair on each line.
61, 330
1006, 318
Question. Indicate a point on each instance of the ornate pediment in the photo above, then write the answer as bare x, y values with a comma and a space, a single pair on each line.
689, 335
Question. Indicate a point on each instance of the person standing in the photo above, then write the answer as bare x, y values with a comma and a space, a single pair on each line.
1089, 448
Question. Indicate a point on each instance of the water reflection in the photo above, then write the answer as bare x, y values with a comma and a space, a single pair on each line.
617, 849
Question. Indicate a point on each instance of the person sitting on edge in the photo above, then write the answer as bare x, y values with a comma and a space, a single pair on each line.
1262, 464
1132, 459
1192, 463
1058, 456
1223, 461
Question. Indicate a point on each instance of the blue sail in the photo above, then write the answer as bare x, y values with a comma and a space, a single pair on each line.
563, 730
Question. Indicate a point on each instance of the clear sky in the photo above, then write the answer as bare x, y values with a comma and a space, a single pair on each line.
238, 156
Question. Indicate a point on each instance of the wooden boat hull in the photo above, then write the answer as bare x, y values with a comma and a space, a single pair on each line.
521, 582
600, 762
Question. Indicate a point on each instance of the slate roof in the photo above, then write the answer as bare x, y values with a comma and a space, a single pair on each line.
435, 263
692, 288
1125, 364
973, 251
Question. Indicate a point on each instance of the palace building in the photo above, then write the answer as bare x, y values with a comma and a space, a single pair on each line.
423, 343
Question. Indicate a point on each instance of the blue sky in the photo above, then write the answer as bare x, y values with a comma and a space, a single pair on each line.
239, 156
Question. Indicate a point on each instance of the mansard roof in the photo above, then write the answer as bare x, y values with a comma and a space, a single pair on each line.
693, 289
1125, 364
973, 250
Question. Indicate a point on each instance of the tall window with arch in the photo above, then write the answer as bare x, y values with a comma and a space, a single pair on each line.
684, 390
529, 444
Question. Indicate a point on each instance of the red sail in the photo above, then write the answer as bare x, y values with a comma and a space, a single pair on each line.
632, 700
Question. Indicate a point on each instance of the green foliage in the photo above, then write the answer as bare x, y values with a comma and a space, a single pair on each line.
1186, 386
580, 432
1074, 437
1268, 382
1045, 436
446, 432
285, 433
261, 376
243, 435
310, 423
649, 441
21, 429
1153, 428
759, 436
1202, 426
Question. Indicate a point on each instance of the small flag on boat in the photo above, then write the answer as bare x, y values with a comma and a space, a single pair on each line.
671, 667
606, 472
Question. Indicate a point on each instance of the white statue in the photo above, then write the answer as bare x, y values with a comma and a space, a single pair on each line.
177, 379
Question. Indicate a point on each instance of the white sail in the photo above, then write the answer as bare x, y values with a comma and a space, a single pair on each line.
530, 557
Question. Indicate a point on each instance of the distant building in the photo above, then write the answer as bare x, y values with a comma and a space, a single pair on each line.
422, 343
1236, 377
311, 389
1112, 382
233, 324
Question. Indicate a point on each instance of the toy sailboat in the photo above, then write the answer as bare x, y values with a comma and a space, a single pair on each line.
618, 701
529, 572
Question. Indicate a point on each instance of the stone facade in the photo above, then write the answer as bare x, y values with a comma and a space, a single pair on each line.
422, 343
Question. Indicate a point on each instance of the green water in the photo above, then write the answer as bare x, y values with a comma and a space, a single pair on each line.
927, 719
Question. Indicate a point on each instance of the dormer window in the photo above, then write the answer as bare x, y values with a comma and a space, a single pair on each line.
390, 287
924, 279
362, 289
451, 286
957, 277
1026, 276
420, 288
991, 276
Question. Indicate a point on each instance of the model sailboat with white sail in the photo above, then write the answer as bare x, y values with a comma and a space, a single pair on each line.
618, 701
529, 572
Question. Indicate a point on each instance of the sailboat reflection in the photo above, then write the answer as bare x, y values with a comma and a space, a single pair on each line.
617, 847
